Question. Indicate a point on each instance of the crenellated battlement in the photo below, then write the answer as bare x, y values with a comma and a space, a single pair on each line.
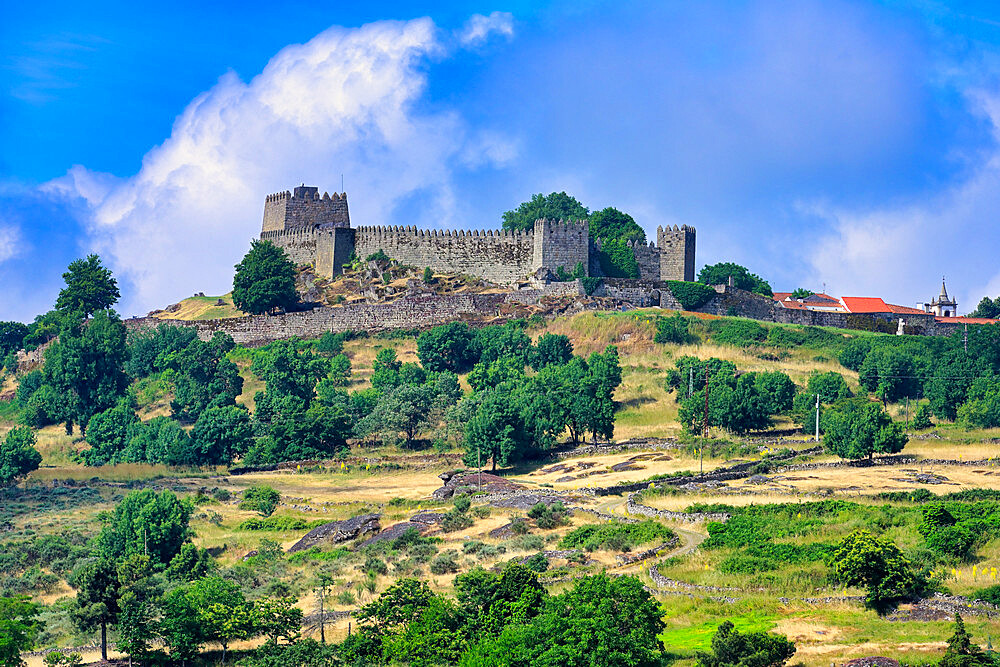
315, 229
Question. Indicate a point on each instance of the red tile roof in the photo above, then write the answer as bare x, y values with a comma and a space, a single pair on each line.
865, 304
905, 310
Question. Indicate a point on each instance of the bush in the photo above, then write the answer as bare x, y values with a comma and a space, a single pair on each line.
691, 296
615, 534
922, 417
444, 563
331, 344
537, 563
672, 330
261, 498
731, 648
740, 333
617, 259
990, 594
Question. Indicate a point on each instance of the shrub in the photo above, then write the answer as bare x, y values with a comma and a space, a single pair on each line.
260, 498
990, 594
444, 563
731, 648
740, 333
537, 563
672, 330
691, 296
597, 536
922, 417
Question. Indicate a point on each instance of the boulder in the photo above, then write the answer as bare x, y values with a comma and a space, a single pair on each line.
458, 482
337, 532
872, 661
396, 530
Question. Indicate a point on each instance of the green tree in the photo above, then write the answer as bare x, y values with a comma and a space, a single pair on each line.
191, 563
18, 455
495, 432
961, 652
606, 375
96, 584
447, 347
18, 628
403, 409
776, 390
108, 434
802, 293
877, 564
86, 368
277, 618
610, 223
856, 429
830, 386
436, 637
330, 344
223, 614
890, 374
551, 349
148, 523
601, 620
138, 604
982, 406
617, 259
11, 337
181, 627
554, 206
719, 274
397, 606
90, 287
385, 370
290, 370
260, 498
222, 434
732, 648
922, 417
988, 308
948, 387
503, 340
264, 280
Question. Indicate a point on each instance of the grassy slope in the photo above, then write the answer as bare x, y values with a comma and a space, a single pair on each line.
825, 633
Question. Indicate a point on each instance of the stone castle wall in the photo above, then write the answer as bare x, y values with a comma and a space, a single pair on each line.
304, 224
299, 244
499, 257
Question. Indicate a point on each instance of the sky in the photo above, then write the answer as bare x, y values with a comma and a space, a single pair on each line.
844, 146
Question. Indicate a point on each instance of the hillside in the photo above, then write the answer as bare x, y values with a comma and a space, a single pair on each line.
772, 482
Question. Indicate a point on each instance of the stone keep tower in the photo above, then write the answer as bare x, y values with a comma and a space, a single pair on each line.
676, 246
560, 243
304, 208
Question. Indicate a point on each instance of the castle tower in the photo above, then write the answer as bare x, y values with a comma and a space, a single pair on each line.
564, 244
304, 208
676, 246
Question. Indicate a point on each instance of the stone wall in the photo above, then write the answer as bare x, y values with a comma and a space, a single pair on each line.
299, 244
408, 312
498, 257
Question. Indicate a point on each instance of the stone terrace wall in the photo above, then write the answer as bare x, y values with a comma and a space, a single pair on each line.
499, 257
409, 312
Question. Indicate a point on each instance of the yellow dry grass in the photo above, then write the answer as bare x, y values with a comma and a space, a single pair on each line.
596, 470
203, 308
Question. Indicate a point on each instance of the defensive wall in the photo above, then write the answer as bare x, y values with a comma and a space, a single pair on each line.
421, 311
317, 230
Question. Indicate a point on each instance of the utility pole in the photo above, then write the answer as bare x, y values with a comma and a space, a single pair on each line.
965, 338
907, 413
705, 420
479, 455
816, 434
690, 381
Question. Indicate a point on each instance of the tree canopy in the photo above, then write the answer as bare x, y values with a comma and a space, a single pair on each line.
719, 274
554, 206
857, 429
264, 280
90, 287
18, 455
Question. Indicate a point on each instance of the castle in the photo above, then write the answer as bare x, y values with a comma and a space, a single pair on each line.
316, 230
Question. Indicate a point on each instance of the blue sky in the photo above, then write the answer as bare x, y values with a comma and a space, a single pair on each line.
837, 144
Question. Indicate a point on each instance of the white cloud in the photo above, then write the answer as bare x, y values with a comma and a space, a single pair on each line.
902, 250
479, 28
346, 102
10, 241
